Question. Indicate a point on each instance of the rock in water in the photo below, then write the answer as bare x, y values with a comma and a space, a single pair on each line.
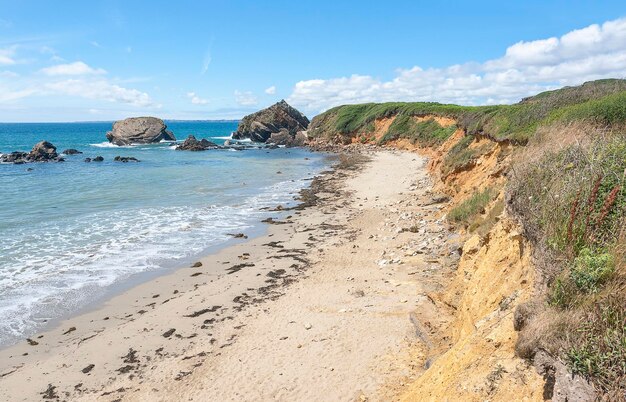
192, 144
14, 157
139, 130
125, 159
71, 151
261, 125
42, 152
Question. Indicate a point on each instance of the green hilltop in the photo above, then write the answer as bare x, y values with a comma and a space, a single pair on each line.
601, 102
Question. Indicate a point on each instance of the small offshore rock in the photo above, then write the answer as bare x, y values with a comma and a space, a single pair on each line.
71, 151
193, 144
125, 159
238, 235
98, 159
14, 157
43, 152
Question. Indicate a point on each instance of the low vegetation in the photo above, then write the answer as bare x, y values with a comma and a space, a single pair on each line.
602, 103
570, 195
469, 209
426, 133
461, 155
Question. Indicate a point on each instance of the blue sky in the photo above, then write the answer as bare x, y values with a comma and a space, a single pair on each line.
104, 60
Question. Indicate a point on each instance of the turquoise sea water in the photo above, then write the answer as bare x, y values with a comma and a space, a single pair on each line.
70, 231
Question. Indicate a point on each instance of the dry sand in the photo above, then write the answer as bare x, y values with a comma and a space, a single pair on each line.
324, 307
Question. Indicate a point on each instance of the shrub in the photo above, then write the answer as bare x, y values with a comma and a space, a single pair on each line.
591, 269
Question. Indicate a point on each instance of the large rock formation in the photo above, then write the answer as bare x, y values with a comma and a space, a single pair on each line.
139, 130
261, 125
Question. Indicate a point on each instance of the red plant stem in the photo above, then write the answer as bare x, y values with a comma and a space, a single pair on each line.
591, 202
608, 203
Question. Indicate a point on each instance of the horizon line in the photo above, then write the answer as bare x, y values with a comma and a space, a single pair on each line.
112, 121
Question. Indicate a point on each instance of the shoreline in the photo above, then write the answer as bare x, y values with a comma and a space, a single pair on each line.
46, 316
168, 331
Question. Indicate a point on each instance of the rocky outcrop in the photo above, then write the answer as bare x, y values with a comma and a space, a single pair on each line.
42, 152
193, 144
14, 157
71, 151
139, 130
280, 138
125, 159
276, 119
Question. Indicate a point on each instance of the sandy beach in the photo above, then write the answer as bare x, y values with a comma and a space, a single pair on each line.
324, 306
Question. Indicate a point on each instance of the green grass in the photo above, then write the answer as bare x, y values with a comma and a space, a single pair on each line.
599, 349
426, 133
601, 102
472, 207
591, 269
460, 155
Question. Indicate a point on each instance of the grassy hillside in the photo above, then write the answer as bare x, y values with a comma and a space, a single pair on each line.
601, 102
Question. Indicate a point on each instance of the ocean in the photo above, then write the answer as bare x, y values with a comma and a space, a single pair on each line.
71, 232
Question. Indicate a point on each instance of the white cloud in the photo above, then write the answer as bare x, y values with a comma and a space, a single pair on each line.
76, 68
271, 90
597, 51
95, 44
9, 74
6, 56
195, 99
245, 98
7, 95
101, 90
206, 61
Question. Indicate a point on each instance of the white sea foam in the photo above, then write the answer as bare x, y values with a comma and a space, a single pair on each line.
107, 144
75, 261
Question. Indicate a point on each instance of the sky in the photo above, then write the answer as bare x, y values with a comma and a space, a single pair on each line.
107, 60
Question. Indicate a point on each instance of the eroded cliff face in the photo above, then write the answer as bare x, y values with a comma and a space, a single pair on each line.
475, 358
493, 277
495, 274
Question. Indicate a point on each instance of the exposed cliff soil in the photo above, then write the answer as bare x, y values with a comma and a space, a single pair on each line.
473, 356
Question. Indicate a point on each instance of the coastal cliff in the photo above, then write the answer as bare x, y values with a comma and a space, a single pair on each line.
535, 190
451, 253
